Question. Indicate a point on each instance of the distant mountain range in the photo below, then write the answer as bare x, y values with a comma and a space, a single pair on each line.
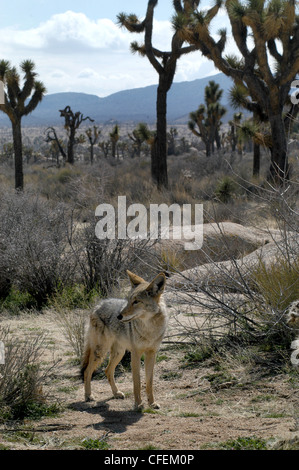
136, 105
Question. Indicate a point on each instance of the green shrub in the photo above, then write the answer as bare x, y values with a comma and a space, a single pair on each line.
225, 189
245, 443
34, 410
95, 444
16, 301
72, 297
278, 282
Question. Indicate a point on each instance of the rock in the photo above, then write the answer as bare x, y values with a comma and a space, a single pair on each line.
221, 242
229, 272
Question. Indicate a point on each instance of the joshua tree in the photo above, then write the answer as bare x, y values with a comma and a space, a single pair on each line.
265, 32
53, 152
233, 136
240, 98
215, 111
19, 102
197, 118
72, 123
137, 136
92, 135
114, 137
171, 136
164, 62
105, 145
208, 118
149, 137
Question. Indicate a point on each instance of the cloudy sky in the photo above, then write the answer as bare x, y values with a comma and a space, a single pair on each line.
77, 45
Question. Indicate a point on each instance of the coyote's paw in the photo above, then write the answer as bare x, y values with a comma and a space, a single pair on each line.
119, 395
155, 406
138, 407
88, 398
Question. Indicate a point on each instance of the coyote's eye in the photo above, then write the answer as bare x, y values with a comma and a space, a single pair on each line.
135, 302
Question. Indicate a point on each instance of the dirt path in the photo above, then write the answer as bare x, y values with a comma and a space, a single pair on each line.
201, 407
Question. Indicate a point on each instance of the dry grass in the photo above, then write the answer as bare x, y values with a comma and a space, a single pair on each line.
278, 283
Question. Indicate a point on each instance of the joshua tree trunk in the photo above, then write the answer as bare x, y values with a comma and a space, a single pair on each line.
91, 154
217, 138
279, 167
70, 146
256, 159
159, 160
17, 143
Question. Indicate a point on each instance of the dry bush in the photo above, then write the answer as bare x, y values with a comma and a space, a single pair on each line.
72, 324
247, 297
277, 283
34, 253
21, 376
46, 247
103, 263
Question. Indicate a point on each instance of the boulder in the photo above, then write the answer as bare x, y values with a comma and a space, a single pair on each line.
221, 242
231, 271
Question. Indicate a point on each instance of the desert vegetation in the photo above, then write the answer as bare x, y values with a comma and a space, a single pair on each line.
225, 378
231, 296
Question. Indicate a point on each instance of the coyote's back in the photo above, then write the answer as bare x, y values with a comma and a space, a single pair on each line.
137, 324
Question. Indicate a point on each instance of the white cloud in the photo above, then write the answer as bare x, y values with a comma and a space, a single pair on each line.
65, 30
75, 53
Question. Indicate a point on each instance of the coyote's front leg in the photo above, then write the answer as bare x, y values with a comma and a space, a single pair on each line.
135, 363
150, 359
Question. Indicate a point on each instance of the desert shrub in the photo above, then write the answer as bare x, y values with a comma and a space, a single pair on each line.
46, 249
16, 300
55, 183
103, 262
21, 376
278, 282
35, 252
95, 444
70, 308
170, 260
72, 324
245, 443
5, 281
72, 297
225, 189
247, 297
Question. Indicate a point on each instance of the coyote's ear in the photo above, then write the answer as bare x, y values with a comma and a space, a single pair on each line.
156, 287
135, 280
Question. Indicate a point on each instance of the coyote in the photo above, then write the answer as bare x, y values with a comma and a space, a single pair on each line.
137, 324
